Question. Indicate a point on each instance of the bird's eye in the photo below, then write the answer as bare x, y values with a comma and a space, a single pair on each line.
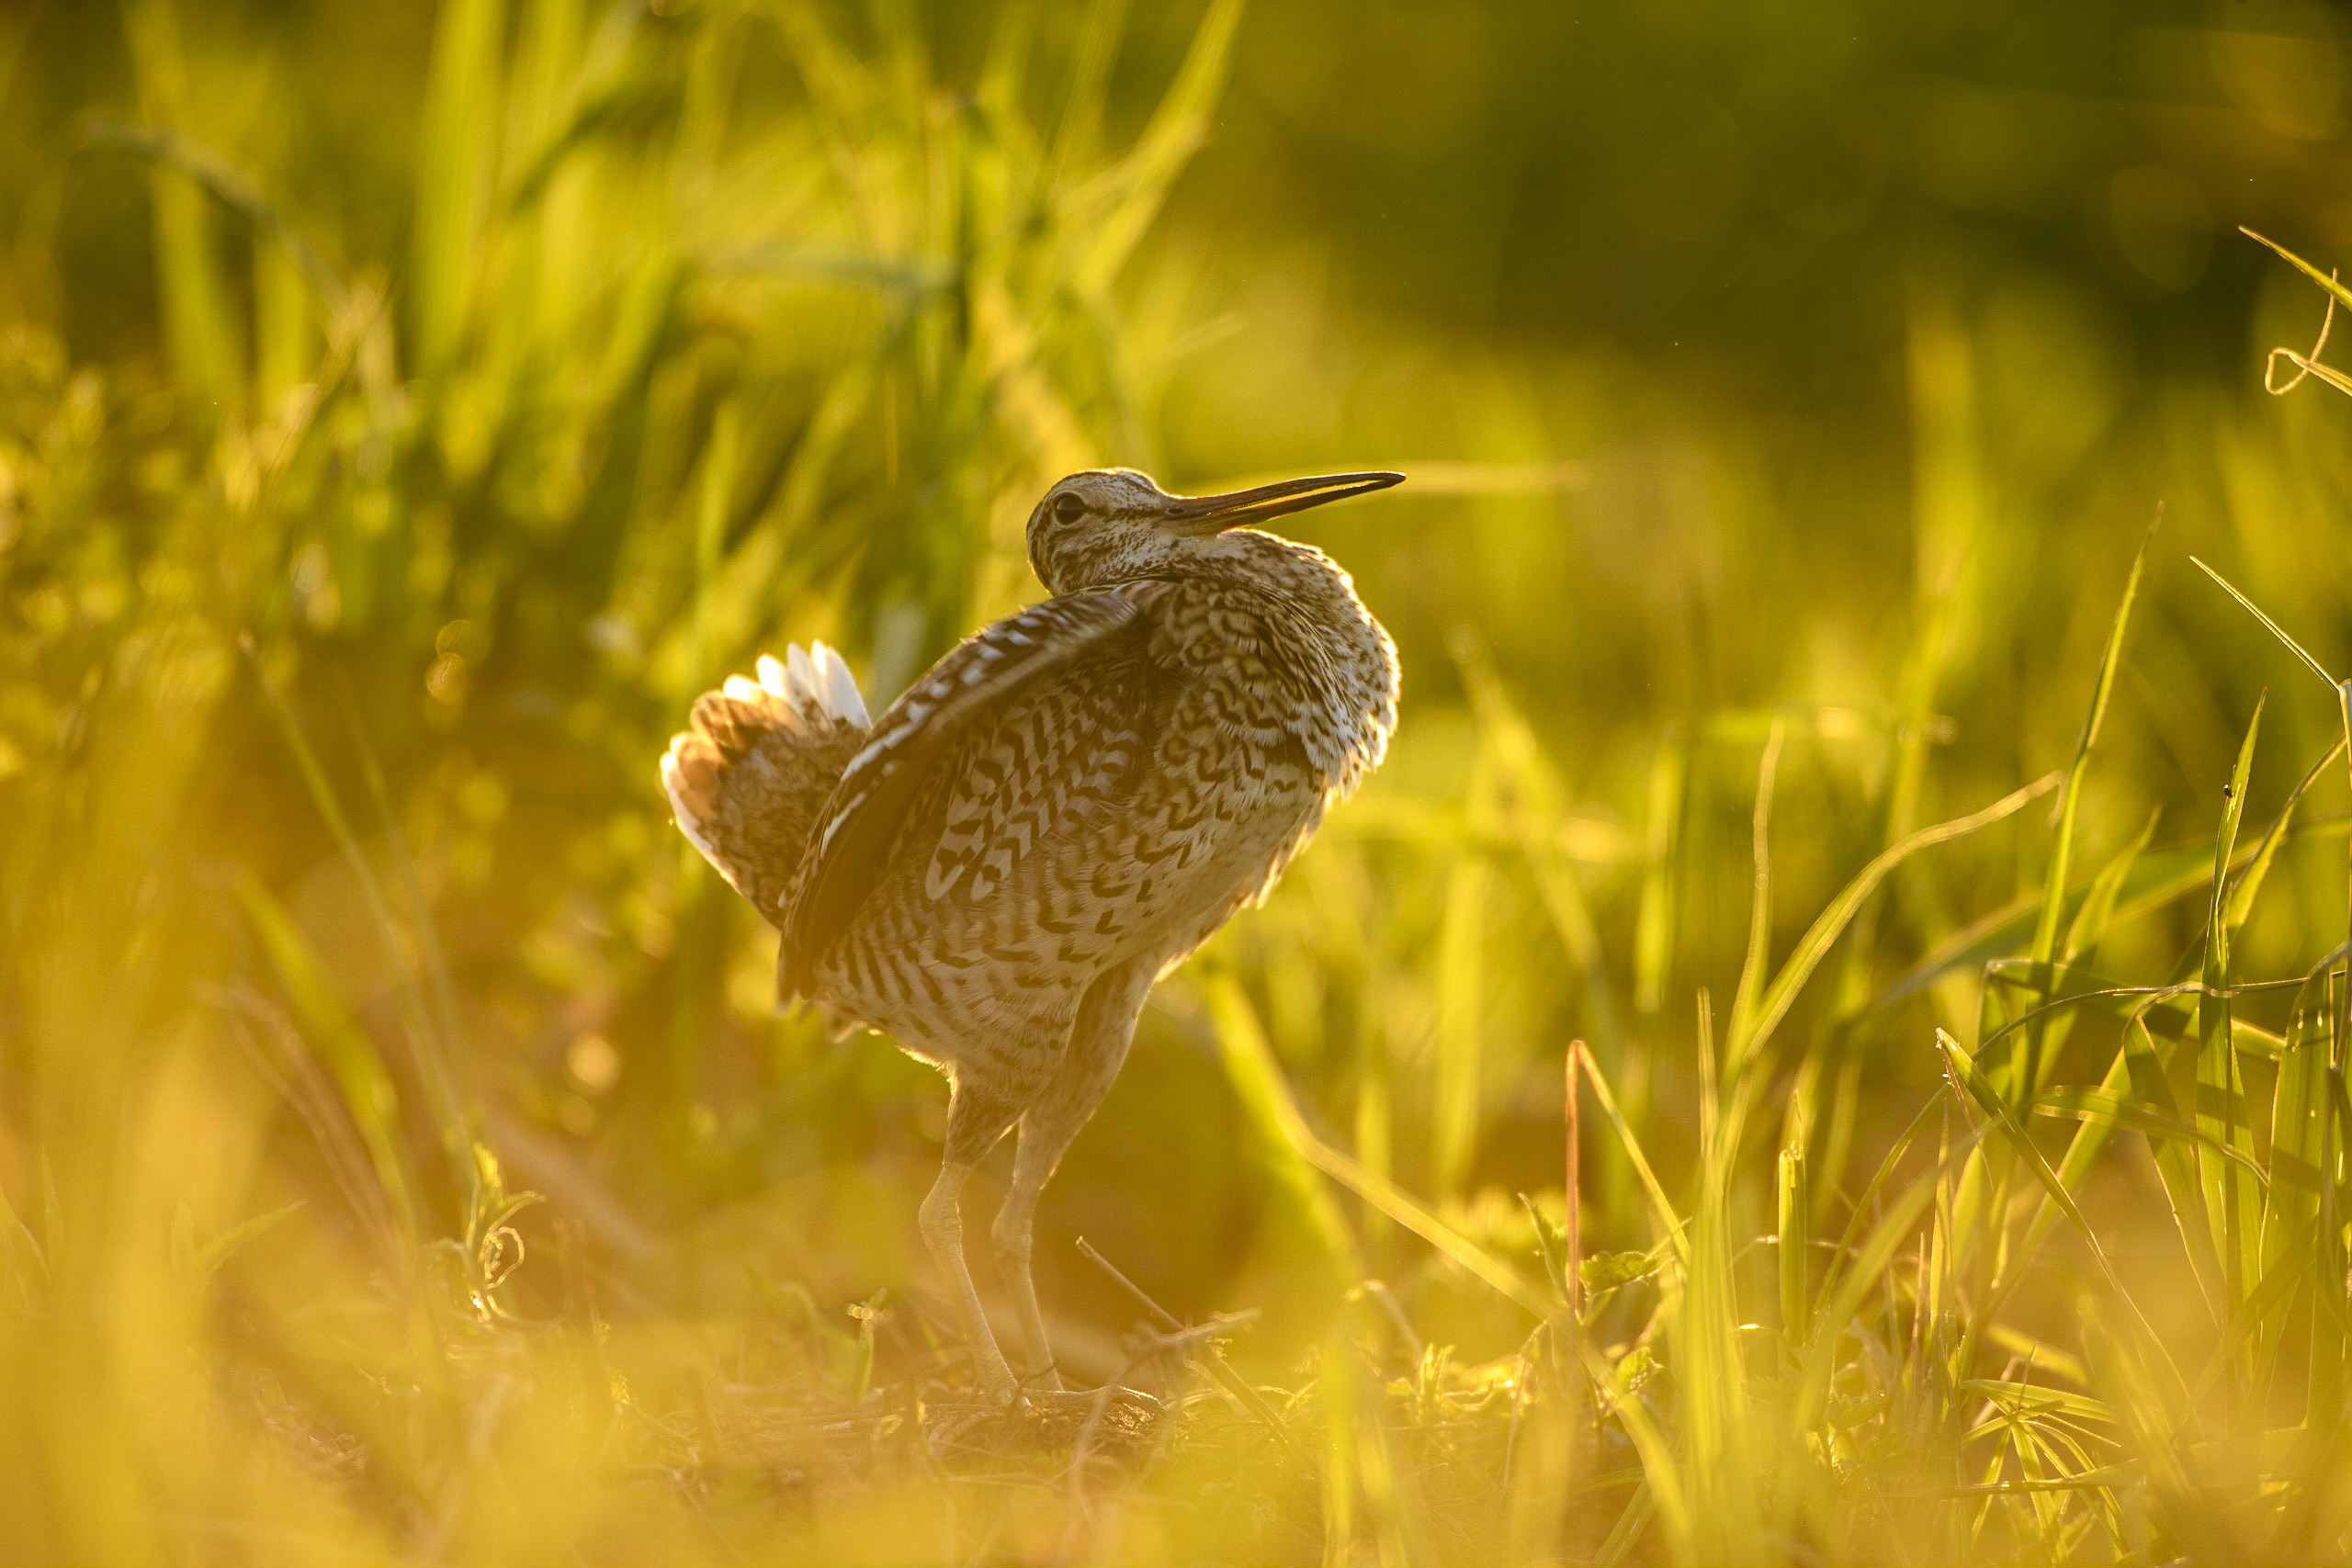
1068, 508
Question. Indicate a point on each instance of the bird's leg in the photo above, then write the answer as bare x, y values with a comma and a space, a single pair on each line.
974, 1125
1012, 1233
1098, 1045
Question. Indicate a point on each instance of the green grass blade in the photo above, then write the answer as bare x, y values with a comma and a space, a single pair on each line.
1824, 932
1653, 926
1461, 995
2097, 911
2313, 665
2342, 294
1075, 136
267, 211
1759, 909
2175, 1166
2073, 1167
2249, 884
1259, 1083
1864, 1265
718, 462
348, 1053
2156, 883
24, 1267
201, 328
1178, 127
209, 1259
1980, 1091
2062, 846
1462, 984
2220, 1097
2102, 1105
1660, 1472
1711, 1374
2299, 1101
452, 169
450, 1121
1795, 1242
1535, 811
1669, 1225
742, 591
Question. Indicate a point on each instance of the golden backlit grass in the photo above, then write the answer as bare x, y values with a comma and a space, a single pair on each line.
398, 1155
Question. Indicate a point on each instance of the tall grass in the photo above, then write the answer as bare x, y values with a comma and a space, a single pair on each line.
398, 1155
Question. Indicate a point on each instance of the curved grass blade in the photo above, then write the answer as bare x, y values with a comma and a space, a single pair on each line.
1258, 1080
2313, 665
349, 1054
2326, 280
1759, 908
1988, 1099
2034, 1063
447, 1110
2107, 1106
2221, 1088
1831, 922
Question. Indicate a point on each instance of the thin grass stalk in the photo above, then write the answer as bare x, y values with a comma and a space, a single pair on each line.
1534, 811
451, 166
1668, 1225
1980, 1089
2220, 1097
1865, 1261
1794, 1231
1572, 1193
1653, 926
1710, 1373
1461, 995
200, 327
1759, 911
1663, 1485
1811, 948
2062, 846
424, 930
1258, 1082
2333, 1273
446, 1107
2326, 1379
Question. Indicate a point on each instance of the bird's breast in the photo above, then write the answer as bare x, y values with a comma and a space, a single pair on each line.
1312, 667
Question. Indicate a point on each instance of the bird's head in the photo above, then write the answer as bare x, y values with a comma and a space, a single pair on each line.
1108, 525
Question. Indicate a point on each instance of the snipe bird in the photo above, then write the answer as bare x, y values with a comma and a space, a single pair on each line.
1058, 813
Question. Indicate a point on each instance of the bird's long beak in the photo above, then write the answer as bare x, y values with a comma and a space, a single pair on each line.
1196, 515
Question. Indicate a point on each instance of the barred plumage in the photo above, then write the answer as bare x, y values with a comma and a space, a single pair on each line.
1064, 808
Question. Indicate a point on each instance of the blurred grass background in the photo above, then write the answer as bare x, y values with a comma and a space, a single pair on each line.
405, 410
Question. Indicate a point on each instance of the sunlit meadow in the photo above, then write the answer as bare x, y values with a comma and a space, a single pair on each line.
1824, 1044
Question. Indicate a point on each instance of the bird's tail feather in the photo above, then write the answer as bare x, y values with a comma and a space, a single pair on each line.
747, 778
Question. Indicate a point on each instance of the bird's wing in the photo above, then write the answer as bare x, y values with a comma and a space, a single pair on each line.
988, 670
1060, 754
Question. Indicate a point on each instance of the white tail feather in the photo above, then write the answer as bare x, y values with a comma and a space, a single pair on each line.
810, 682
841, 691
800, 679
